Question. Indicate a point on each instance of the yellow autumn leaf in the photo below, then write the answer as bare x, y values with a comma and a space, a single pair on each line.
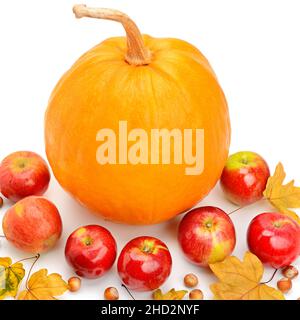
42, 286
10, 277
241, 280
283, 197
170, 295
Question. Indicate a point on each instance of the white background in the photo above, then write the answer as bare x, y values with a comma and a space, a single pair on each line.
254, 47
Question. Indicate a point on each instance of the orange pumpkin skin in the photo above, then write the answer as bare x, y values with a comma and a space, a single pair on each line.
177, 89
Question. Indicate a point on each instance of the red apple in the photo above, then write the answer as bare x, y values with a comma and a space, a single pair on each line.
206, 235
144, 264
32, 224
244, 178
274, 238
91, 251
23, 174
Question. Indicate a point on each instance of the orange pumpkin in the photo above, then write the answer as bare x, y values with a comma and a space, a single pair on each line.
150, 83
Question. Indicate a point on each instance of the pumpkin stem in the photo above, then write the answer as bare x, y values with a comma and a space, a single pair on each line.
137, 53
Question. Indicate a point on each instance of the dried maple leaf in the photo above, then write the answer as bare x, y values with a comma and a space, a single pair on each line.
10, 277
241, 280
283, 197
42, 286
170, 295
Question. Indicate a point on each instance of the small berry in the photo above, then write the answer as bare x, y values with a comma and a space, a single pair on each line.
111, 293
74, 284
191, 280
196, 294
284, 285
290, 272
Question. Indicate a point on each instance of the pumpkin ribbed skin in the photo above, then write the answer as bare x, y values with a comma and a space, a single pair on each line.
177, 89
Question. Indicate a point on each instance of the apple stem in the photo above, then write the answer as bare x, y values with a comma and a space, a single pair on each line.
128, 291
272, 277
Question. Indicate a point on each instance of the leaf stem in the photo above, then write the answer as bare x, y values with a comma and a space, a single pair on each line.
128, 291
236, 210
28, 276
245, 206
272, 277
30, 258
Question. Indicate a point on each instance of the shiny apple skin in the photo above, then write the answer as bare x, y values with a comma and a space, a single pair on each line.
23, 174
206, 235
244, 177
33, 224
274, 238
91, 251
144, 264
